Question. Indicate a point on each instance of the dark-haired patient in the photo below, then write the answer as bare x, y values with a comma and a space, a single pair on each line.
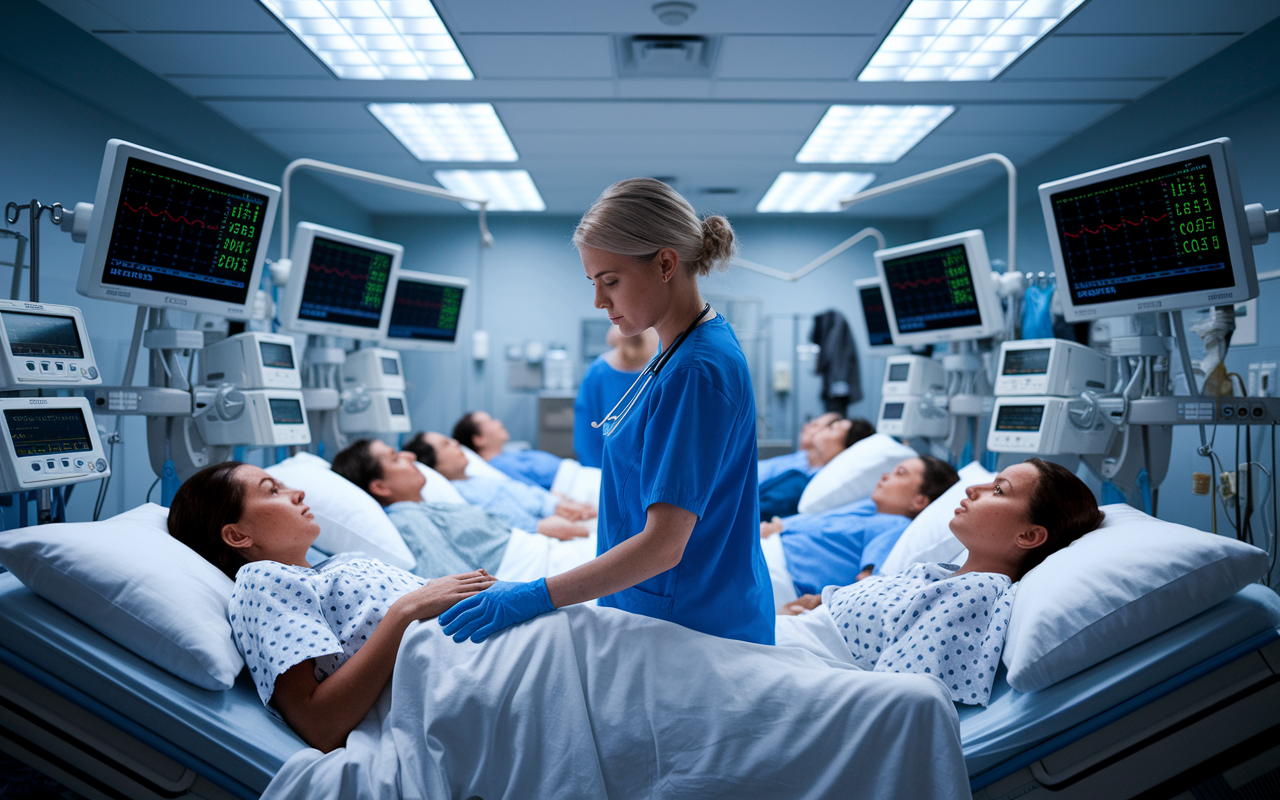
948, 621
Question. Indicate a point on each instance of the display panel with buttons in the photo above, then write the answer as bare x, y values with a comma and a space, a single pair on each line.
43, 344
49, 441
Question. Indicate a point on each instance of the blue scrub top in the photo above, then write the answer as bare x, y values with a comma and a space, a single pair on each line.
831, 548
602, 387
773, 467
690, 440
534, 467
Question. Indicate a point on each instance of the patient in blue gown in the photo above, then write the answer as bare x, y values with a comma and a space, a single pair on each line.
486, 436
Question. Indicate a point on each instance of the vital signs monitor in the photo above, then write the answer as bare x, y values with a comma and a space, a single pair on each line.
252, 360
1050, 367
48, 441
939, 290
171, 233
1161, 233
42, 344
879, 334
425, 313
1043, 426
341, 284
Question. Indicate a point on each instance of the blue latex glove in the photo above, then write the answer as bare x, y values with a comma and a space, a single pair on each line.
502, 605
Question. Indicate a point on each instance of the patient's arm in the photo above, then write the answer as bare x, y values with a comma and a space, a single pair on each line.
806, 602
572, 510
558, 527
324, 713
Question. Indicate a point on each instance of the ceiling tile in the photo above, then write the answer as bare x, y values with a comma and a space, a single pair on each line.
85, 14
655, 116
1173, 16
1112, 57
793, 57
939, 150
721, 145
224, 54
541, 56
284, 115
1026, 117
168, 15
335, 145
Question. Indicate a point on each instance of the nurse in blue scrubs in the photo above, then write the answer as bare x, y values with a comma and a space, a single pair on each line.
679, 505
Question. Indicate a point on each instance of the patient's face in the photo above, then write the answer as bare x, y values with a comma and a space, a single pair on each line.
275, 517
400, 475
492, 432
451, 462
828, 442
991, 515
630, 291
898, 490
813, 427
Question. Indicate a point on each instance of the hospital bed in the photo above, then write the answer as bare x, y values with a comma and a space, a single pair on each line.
109, 724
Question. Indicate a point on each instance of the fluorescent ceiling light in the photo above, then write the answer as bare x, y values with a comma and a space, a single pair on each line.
962, 40
870, 134
812, 191
375, 39
447, 131
505, 189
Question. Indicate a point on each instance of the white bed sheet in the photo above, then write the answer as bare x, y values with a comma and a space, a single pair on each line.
592, 702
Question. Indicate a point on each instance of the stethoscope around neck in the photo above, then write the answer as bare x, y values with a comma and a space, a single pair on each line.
647, 374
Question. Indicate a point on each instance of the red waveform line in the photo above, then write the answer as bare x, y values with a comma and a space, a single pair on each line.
915, 284
339, 271
170, 216
1084, 230
413, 301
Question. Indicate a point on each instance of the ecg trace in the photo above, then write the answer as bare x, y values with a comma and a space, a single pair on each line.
166, 213
1083, 230
425, 311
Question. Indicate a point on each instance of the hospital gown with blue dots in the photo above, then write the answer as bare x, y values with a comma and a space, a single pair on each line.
283, 615
928, 621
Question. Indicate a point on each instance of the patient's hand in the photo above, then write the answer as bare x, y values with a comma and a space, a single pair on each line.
771, 527
558, 527
440, 594
575, 511
806, 602
866, 573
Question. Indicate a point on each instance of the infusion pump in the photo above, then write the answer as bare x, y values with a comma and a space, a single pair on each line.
49, 441
380, 372
913, 375
1043, 426
911, 416
255, 418
252, 360
374, 368
1050, 367
42, 344
387, 412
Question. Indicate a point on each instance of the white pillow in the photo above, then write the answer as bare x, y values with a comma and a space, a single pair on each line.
853, 474
477, 467
127, 578
928, 539
438, 488
350, 519
1133, 578
577, 482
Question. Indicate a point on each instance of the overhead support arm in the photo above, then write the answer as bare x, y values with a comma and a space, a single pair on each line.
952, 169
817, 262
369, 177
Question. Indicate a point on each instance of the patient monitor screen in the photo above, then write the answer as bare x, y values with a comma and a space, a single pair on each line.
425, 311
1019, 418
932, 290
390, 366
42, 335
877, 318
893, 410
899, 372
345, 284
178, 233
43, 432
1026, 362
286, 412
396, 406
276, 355
1145, 234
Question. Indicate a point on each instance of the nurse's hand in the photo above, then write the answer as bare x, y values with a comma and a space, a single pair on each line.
561, 528
500, 606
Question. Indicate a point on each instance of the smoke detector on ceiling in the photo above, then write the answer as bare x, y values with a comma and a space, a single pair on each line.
674, 13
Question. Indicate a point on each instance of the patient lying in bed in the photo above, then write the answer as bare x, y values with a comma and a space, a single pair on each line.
949, 622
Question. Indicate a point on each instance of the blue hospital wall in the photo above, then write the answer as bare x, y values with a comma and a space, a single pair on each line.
1235, 94
55, 133
534, 288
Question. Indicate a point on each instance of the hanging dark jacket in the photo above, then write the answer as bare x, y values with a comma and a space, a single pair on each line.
837, 361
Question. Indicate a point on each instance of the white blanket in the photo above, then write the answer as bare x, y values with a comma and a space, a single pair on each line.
592, 702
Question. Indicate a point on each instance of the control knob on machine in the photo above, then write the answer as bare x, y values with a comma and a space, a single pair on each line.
356, 400
228, 404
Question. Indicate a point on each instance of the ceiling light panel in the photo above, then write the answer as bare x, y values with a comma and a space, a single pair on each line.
962, 40
375, 39
447, 131
870, 134
811, 192
505, 189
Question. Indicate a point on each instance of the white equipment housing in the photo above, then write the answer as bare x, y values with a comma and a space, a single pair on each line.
913, 376
43, 344
1042, 426
252, 360
1050, 367
910, 416
387, 412
49, 441
374, 368
256, 418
